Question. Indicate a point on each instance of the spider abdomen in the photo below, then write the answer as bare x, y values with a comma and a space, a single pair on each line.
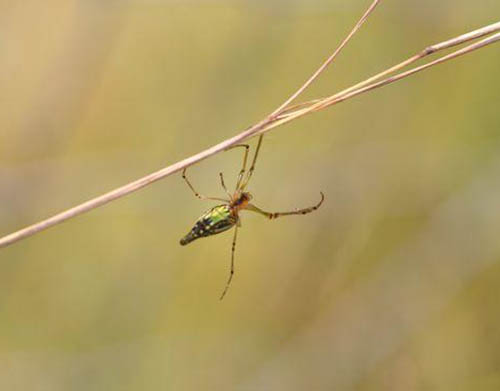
218, 219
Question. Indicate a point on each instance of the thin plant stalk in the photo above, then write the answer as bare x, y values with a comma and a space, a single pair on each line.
424, 53
155, 176
272, 121
348, 93
330, 59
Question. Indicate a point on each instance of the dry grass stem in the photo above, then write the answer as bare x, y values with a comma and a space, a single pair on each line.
327, 62
424, 53
280, 116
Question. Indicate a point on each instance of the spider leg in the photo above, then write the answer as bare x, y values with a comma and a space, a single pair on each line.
274, 215
198, 195
224, 185
243, 167
252, 167
232, 262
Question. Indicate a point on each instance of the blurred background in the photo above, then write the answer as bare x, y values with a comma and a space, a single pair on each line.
392, 284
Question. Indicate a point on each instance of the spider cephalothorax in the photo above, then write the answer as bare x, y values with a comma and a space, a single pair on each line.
240, 201
222, 217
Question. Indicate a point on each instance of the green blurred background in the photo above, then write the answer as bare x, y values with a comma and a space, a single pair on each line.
393, 284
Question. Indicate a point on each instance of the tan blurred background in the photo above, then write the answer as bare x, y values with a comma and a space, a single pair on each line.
393, 284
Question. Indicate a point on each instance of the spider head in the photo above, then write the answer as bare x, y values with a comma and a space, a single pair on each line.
245, 196
241, 200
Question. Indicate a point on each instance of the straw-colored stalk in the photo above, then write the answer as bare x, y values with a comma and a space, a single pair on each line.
283, 114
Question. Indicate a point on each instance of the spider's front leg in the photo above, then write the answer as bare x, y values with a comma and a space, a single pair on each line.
244, 166
274, 215
252, 167
198, 195
224, 185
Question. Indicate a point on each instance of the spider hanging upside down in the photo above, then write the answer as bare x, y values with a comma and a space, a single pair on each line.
222, 217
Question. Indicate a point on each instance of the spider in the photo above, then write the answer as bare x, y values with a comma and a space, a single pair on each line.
222, 217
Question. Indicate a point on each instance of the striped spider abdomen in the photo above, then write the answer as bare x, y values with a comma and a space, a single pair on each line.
218, 219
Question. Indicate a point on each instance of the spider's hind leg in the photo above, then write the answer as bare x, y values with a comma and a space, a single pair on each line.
233, 247
274, 215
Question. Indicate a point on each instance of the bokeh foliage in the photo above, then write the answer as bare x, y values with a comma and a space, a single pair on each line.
393, 284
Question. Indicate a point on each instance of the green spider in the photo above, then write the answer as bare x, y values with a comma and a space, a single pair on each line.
220, 218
